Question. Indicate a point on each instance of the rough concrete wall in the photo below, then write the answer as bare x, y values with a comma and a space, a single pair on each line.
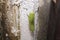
12, 22
24, 22
16, 12
44, 8
36, 22
9, 22
1, 28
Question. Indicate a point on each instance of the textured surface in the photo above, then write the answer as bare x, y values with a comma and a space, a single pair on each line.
44, 8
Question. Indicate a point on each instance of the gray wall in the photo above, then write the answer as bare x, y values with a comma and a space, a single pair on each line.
44, 8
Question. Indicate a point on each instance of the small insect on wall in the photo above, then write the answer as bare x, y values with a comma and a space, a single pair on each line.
31, 21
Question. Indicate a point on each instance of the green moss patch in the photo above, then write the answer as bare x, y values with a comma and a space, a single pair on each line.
31, 21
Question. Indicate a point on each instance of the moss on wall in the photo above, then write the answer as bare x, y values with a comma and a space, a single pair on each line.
31, 21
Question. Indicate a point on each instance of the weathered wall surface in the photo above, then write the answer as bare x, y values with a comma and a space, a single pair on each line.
12, 23
26, 8
44, 8
9, 20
